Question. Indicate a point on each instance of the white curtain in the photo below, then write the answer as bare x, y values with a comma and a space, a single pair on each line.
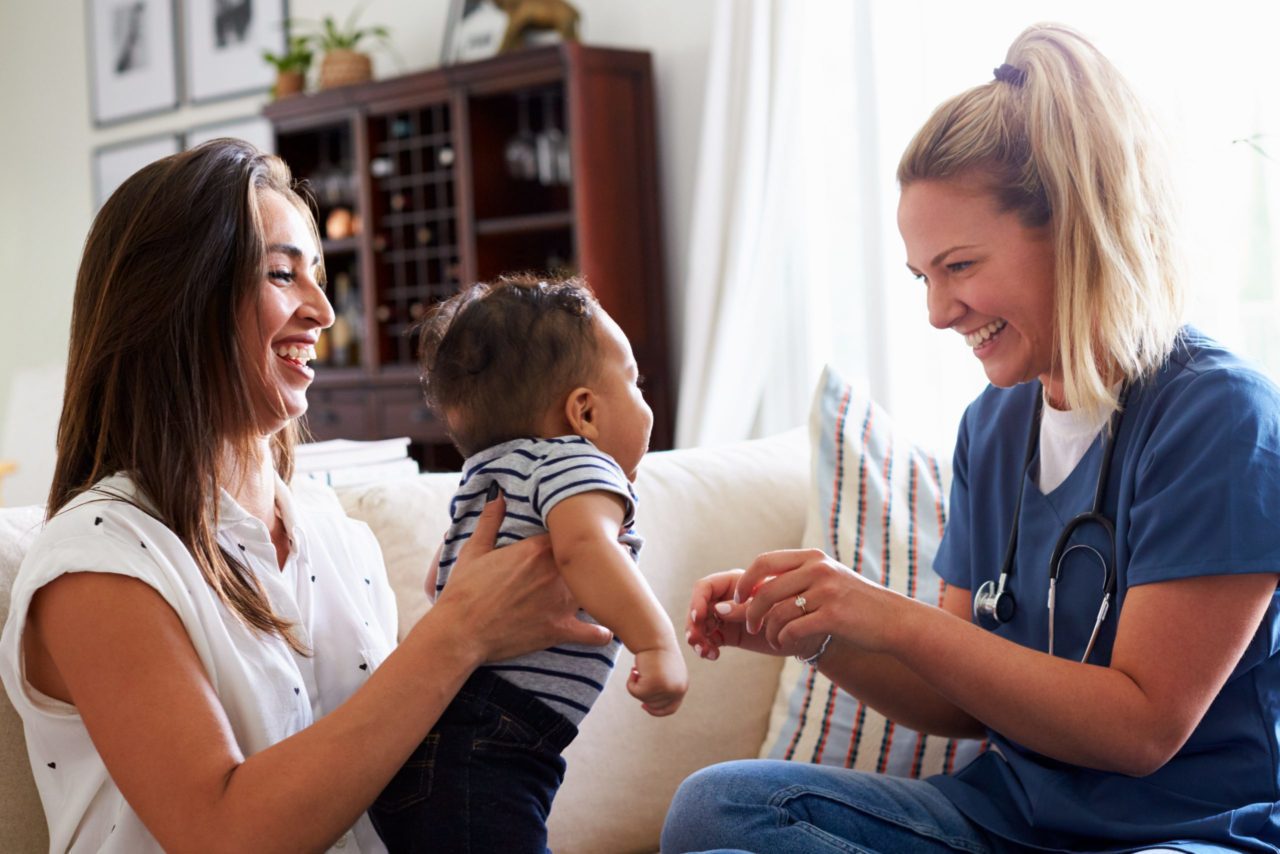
795, 258
768, 229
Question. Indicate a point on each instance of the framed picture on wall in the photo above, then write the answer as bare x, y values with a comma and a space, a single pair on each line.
112, 164
224, 41
474, 31
132, 59
252, 129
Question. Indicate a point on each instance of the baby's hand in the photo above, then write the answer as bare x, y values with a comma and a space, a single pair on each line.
659, 680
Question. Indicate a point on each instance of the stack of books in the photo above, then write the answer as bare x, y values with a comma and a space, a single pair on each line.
343, 462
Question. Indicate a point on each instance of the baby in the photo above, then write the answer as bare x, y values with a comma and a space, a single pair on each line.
539, 390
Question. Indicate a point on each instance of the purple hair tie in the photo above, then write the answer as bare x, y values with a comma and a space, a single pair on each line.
1011, 75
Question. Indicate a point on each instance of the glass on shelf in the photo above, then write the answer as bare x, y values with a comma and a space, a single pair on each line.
521, 151
445, 156
382, 167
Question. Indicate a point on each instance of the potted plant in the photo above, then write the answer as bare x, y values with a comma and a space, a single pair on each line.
291, 66
343, 64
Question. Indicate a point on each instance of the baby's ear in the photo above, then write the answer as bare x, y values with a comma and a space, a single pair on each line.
580, 411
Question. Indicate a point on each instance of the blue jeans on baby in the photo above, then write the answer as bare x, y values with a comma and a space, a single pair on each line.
768, 806
482, 780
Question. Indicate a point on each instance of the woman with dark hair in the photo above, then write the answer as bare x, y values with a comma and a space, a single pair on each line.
199, 662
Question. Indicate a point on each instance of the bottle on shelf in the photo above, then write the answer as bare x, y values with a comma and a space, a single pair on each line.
344, 335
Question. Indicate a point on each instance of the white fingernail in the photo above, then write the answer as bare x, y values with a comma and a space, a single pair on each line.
698, 648
714, 654
723, 607
693, 616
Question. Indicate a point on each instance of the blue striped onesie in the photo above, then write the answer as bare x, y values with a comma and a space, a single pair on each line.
535, 475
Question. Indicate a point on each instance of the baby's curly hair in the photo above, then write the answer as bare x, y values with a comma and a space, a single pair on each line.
496, 356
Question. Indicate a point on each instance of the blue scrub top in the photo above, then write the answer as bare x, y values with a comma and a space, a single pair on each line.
1194, 490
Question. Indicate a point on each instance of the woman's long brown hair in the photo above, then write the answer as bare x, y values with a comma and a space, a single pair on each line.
158, 384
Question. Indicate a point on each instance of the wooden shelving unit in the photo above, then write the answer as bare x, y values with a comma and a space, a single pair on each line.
537, 161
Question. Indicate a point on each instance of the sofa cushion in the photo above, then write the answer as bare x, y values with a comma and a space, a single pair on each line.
877, 503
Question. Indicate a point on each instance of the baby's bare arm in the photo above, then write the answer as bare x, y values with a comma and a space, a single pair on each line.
606, 582
601, 574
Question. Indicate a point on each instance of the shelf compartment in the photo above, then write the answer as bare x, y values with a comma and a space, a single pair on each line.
541, 252
520, 161
340, 247
525, 224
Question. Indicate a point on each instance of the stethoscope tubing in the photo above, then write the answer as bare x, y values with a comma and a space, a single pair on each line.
995, 600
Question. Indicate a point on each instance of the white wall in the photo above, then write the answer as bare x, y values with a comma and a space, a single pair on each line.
47, 140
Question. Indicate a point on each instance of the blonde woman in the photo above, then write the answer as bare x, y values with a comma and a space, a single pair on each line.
1111, 613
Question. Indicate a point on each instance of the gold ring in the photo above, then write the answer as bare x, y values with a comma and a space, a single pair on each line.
800, 603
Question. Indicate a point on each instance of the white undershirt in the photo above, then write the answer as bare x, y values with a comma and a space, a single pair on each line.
1065, 437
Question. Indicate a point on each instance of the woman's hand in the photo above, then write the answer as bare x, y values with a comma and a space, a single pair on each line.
716, 620
836, 601
511, 601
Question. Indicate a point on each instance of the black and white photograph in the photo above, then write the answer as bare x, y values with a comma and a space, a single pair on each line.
254, 130
132, 67
112, 164
474, 31
224, 41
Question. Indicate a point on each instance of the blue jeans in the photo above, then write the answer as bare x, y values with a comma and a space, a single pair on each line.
482, 780
767, 806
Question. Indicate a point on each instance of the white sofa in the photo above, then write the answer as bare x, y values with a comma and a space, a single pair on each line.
700, 510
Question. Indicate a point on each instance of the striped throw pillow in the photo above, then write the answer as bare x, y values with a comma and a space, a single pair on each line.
878, 505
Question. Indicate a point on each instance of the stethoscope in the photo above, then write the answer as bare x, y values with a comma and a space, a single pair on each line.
995, 601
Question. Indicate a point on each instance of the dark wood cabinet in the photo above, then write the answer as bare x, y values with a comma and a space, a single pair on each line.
540, 161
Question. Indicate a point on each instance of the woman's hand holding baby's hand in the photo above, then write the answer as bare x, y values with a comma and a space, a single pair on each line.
511, 601
756, 609
836, 601
716, 620
659, 680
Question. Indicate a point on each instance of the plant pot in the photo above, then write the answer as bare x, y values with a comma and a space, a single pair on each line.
289, 83
344, 67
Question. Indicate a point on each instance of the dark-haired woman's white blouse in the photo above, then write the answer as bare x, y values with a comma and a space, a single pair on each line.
333, 587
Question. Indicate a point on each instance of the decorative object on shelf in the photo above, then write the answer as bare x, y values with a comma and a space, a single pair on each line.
254, 130
112, 164
225, 41
291, 66
479, 29
343, 64
474, 31
132, 59
528, 22
338, 225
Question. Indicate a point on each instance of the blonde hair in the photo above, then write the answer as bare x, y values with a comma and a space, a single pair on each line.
1060, 139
